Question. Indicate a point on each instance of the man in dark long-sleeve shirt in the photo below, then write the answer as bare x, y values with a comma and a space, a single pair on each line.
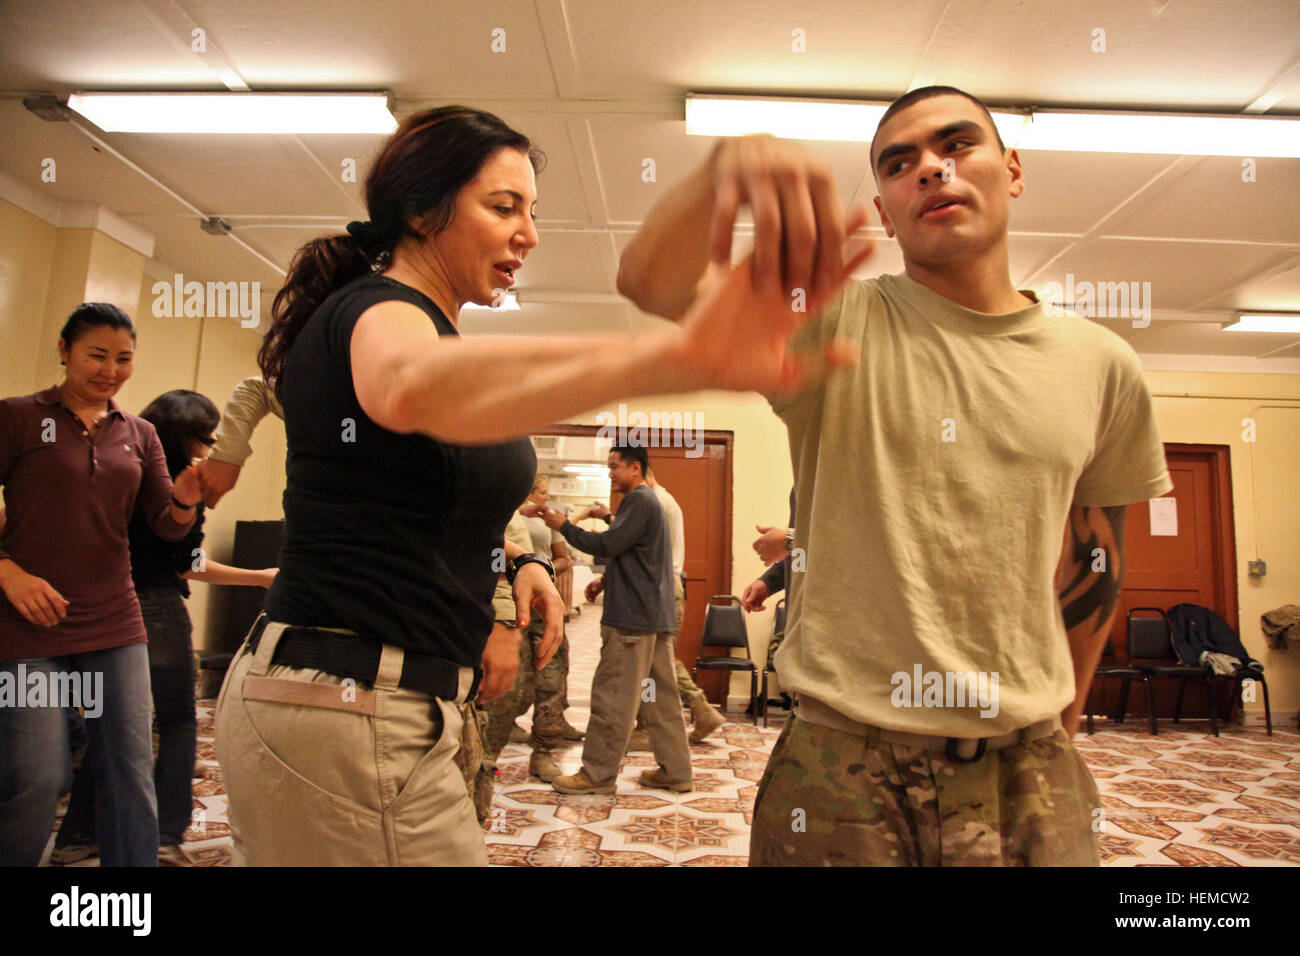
637, 630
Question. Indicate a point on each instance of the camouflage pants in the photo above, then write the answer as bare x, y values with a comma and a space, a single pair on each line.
542, 690
469, 759
830, 798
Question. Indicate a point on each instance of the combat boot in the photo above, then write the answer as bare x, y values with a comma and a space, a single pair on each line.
655, 778
542, 764
707, 719
570, 732
579, 784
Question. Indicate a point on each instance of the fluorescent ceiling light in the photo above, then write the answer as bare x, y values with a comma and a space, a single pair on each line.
591, 471
842, 121
236, 112
1161, 133
509, 304
1073, 130
1266, 322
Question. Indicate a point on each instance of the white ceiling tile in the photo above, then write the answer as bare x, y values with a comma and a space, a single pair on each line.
1213, 202
635, 48
1181, 275
1280, 292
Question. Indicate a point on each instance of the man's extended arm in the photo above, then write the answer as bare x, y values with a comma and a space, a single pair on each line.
1089, 577
250, 402
622, 534
774, 577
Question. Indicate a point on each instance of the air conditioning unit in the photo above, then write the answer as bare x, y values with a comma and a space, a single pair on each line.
566, 486
548, 446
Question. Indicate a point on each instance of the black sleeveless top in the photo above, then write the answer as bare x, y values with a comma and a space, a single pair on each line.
388, 535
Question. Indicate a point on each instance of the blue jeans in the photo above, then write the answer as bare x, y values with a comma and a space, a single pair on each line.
35, 761
171, 675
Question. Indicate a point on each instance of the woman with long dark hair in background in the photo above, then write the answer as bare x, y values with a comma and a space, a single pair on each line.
160, 569
75, 467
340, 718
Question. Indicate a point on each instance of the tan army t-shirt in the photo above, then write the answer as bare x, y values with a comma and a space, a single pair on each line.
934, 482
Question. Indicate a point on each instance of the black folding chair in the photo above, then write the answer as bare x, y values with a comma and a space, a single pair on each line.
1149, 640
1109, 667
724, 626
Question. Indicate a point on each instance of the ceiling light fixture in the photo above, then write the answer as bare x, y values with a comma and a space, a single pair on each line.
1275, 322
287, 113
1071, 130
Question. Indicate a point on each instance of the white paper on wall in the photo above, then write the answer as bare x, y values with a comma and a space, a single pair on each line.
1164, 517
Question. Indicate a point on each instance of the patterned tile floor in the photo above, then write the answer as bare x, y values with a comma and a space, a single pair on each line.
1184, 798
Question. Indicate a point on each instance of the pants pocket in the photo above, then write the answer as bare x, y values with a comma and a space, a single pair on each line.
293, 737
440, 758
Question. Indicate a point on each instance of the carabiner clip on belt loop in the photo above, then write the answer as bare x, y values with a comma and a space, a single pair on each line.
950, 751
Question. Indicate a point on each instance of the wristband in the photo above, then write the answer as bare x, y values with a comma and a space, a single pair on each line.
513, 567
789, 539
181, 506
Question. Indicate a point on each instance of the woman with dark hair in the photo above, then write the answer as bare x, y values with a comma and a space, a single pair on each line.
74, 468
339, 719
185, 422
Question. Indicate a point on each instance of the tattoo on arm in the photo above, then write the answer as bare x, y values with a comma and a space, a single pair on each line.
1093, 565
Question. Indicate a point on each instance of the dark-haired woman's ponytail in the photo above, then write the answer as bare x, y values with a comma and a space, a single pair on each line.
318, 268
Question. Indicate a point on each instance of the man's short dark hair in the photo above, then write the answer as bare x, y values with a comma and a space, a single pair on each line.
924, 93
633, 453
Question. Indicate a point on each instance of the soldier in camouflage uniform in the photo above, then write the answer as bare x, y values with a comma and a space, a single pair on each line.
551, 687
542, 689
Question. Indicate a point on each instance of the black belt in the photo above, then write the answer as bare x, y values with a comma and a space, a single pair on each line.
347, 655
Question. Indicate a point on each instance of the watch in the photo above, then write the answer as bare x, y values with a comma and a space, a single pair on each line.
789, 539
512, 567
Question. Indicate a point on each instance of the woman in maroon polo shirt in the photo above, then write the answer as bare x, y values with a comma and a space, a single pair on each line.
73, 466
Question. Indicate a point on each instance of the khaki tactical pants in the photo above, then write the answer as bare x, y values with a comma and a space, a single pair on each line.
321, 772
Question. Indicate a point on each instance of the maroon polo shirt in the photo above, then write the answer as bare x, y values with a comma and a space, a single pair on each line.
68, 501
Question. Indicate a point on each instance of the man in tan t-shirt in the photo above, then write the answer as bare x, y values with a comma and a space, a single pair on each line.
933, 655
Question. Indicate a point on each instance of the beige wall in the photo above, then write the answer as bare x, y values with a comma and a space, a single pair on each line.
26, 251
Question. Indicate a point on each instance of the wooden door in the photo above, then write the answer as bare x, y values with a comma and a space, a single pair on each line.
702, 487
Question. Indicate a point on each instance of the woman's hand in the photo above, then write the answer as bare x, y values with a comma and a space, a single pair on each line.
535, 590
500, 663
737, 337
186, 487
35, 598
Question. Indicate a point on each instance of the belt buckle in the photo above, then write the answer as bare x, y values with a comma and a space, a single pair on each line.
950, 751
